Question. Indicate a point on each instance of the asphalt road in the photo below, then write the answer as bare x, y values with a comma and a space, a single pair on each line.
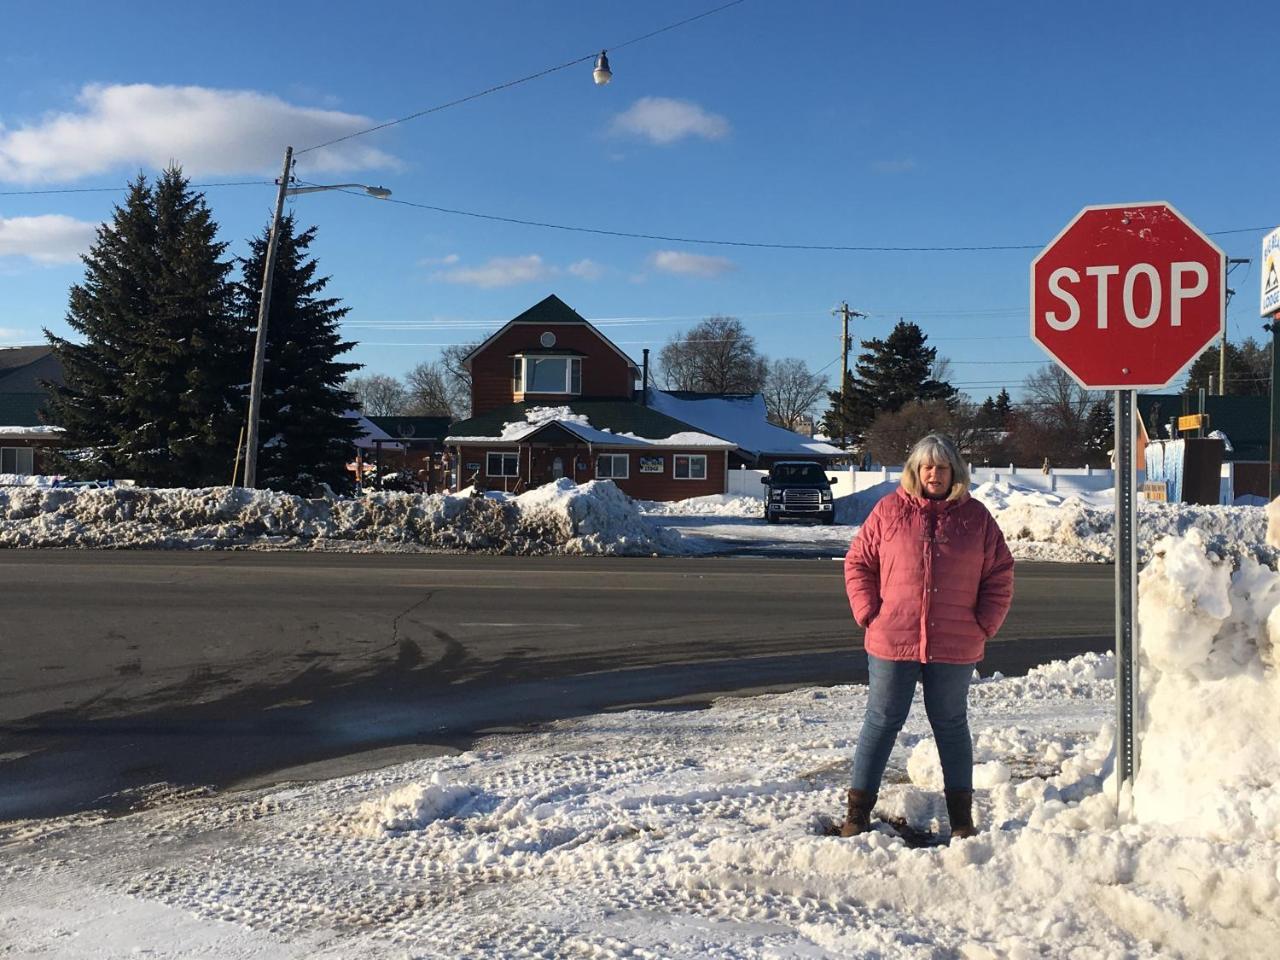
125, 669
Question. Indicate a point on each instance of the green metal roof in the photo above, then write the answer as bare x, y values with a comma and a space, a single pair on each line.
21, 409
413, 428
1245, 420
615, 416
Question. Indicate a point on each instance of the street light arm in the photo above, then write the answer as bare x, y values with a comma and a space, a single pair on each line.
380, 192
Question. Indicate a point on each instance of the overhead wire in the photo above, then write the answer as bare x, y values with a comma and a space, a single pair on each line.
514, 83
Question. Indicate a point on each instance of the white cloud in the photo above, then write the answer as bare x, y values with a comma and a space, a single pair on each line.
499, 272
447, 260
586, 269
12, 335
663, 120
206, 131
51, 238
690, 264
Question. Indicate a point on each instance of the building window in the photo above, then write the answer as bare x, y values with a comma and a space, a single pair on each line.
547, 375
690, 466
17, 460
502, 465
613, 466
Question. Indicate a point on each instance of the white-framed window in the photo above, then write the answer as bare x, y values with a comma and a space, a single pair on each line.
17, 460
502, 464
547, 375
689, 466
613, 466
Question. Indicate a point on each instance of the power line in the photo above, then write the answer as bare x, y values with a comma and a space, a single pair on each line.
193, 186
708, 241
513, 83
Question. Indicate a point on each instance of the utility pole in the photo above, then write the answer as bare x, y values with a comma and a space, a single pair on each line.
845, 314
1232, 262
260, 343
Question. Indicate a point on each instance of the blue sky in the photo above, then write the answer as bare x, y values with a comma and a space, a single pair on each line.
820, 123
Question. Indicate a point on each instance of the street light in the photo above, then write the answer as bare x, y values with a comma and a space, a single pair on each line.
602, 74
264, 305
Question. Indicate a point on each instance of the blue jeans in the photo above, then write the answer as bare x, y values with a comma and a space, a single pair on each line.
946, 695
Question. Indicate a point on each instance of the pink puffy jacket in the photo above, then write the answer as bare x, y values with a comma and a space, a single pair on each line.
930, 580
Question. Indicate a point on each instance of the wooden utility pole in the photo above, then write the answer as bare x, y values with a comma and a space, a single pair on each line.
845, 314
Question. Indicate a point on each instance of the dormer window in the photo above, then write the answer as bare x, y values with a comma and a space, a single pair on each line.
546, 373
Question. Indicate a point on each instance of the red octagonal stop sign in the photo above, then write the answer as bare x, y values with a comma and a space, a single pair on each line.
1128, 295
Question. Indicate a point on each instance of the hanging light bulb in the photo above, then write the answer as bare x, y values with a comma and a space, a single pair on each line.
602, 74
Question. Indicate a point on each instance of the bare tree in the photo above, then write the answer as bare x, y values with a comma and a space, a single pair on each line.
892, 433
378, 394
458, 377
1051, 420
715, 356
790, 392
427, 391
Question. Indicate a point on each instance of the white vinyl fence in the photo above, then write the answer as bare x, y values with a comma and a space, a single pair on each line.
1063, 482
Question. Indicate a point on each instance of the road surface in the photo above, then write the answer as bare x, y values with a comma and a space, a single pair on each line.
125, 669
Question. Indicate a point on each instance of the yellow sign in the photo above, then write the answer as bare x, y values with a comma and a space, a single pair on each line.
1194, 421
1155, 490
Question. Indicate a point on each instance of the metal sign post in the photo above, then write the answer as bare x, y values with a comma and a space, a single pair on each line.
1126, 592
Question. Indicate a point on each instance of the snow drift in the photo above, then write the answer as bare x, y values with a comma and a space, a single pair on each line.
594, 518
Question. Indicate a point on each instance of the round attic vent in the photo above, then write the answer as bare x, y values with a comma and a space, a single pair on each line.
548, 339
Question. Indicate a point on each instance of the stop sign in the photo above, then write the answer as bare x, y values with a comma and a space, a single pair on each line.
1127, 295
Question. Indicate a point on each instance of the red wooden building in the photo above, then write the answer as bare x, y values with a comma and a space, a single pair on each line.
552, 397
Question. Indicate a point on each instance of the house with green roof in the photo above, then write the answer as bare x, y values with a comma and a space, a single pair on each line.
26, 438
552, 398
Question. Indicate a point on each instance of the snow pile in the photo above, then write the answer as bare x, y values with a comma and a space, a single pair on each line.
1044, 526
1273, 523
713, 505
1210, 758
411, 807
594, 518
855, 508
26, 480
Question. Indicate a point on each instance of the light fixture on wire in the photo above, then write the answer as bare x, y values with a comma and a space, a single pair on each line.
602, 74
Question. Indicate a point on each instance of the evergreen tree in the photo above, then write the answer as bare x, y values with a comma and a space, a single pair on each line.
847, 411
889, 374
108, 310
988, 415
151, 391
1099, 433
305, 438
1004, 406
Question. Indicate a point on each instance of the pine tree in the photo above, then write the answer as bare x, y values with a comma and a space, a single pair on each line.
306, 440
109, 311
1004, 406
152, 393
889, 374
847, 416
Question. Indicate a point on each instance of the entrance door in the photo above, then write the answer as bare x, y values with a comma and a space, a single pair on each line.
557, 468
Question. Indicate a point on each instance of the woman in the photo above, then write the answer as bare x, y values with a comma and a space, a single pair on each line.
930, 579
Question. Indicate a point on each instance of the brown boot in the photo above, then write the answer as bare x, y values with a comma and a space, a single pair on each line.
858, 819
960, 813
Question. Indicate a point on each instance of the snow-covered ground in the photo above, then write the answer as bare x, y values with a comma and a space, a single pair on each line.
594, 518
700, 834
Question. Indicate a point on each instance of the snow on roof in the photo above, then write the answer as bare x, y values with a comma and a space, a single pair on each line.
372, 432
40, 431
536, 418
740, 418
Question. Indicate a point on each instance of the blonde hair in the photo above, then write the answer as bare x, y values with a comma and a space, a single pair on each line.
936, 448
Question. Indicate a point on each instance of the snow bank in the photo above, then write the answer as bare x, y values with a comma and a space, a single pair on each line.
595, 518
411, 807
1210, 757
1045, 526
714, 505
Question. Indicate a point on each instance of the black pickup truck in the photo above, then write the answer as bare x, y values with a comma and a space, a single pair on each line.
798, 490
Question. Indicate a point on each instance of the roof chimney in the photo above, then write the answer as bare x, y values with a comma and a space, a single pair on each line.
644, 380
